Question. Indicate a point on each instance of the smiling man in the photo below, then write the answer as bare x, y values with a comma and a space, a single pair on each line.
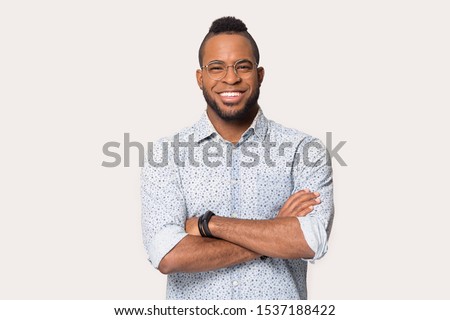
245, 225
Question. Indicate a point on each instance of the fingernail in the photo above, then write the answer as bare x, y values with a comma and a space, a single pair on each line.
310, 207
307, 190
317, 200
317, 194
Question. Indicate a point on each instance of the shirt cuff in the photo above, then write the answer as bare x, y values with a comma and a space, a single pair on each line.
164, 241
315, 236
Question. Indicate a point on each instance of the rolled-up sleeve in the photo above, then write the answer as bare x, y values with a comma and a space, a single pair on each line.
163, 205
314, 172
315, 235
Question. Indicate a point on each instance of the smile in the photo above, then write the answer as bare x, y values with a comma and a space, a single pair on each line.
231, 94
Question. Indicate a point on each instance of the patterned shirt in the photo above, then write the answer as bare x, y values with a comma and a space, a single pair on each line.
197, 170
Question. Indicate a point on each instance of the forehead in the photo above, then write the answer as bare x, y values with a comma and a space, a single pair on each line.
228, 48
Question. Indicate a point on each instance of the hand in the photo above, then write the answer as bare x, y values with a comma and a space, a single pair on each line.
299, 204
191, 226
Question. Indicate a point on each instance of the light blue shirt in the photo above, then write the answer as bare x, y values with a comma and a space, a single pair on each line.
249, 180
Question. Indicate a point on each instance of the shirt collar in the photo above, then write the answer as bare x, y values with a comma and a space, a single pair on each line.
204, 128
259, 126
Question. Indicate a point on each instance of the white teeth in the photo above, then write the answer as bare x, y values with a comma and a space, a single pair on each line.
230, 94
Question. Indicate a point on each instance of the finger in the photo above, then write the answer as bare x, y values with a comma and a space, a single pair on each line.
295, 201
302, 198
299, 209
304, 212
293, 198
307, 204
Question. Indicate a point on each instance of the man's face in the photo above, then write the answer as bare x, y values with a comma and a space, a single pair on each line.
232, 97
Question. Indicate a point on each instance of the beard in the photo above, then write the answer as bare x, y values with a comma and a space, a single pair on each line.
232, 115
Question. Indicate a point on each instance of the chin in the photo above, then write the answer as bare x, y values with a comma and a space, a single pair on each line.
232, 111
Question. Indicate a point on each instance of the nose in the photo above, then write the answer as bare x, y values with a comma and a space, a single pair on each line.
231, 77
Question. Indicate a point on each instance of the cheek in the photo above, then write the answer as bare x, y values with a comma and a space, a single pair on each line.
209, 86
253, 83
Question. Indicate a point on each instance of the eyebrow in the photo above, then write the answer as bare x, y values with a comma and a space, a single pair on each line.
215, 61
239, 60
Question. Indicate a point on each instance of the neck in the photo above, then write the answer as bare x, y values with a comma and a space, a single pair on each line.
231, 130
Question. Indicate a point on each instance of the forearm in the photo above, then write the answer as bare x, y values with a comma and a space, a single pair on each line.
198, 254
278, 238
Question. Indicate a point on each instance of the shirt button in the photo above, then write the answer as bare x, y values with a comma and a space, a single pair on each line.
235, 283
234, 215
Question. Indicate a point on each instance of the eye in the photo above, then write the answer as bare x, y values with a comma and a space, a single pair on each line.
215, 67
244, 67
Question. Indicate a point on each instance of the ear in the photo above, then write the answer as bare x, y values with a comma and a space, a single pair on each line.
199, 75
260, 71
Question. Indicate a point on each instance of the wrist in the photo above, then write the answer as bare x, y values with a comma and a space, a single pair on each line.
203, 224
214, 225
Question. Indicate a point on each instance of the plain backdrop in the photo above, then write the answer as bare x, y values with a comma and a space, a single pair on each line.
77, 74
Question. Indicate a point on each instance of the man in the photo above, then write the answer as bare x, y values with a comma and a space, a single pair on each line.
234, 206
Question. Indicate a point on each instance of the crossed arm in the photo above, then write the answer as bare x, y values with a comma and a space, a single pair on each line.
243, 240
298, 231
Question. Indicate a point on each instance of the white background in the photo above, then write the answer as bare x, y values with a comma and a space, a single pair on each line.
77, 74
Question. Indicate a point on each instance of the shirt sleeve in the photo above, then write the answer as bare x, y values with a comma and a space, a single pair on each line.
314, 172
163, 204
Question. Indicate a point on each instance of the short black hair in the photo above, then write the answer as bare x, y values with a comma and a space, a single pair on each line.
228, 25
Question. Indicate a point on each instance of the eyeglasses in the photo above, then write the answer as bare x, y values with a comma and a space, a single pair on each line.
217, 70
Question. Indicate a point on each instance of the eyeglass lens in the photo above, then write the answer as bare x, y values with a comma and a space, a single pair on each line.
218, 70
